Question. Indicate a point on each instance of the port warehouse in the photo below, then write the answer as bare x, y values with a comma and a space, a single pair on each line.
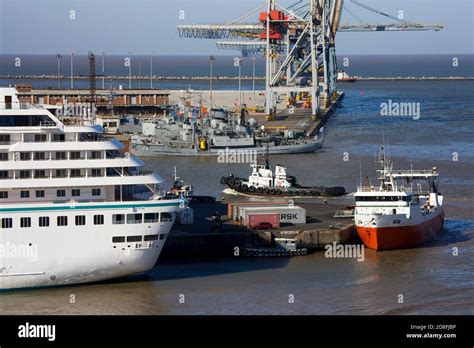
123, 101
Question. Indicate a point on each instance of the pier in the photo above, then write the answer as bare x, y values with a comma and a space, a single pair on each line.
199, 240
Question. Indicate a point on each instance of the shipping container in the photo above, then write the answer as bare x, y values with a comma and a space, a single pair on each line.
288, 214
257, 220
232, 208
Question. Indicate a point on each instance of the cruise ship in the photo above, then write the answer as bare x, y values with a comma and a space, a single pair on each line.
73, 207
399, 213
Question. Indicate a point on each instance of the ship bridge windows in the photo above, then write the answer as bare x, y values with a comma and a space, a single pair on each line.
382, 199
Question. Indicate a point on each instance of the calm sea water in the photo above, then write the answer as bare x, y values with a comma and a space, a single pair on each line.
431, 279
178, 66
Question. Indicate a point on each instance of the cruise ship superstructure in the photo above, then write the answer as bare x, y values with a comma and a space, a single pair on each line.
73, 207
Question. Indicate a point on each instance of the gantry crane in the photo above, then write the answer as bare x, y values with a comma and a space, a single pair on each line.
298, 43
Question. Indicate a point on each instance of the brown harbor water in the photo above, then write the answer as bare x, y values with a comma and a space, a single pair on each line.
437, 278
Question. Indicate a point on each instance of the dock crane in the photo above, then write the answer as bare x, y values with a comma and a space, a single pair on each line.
298, 43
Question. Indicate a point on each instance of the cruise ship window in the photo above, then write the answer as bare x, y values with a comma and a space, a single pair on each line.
40, 194
3, 156
3, 194
25, 174
60, 155
98, 219
25, 222
40, 174
75, 192
3, 174
4, 139
25, 194
61, 193
96, 172
151, 237
43, 221
134, 238
118, 239
7, 223
96, 155
62, 220
39, 156
152, 217
40, 138
75, 155
25, 156
61, 173
134, 218
118, 219
59, 137
96, 192
75, 173
80, 220
166, 217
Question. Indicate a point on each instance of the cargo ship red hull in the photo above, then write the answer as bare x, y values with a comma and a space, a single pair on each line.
389, 238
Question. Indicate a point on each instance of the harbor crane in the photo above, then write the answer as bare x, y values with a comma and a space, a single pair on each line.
298, 43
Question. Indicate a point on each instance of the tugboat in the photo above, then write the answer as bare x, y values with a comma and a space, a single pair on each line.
397, 215
262, 182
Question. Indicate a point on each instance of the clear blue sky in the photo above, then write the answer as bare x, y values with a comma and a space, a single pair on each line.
142, 26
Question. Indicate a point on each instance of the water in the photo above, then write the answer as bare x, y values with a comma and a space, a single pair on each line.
431, 279
198, 66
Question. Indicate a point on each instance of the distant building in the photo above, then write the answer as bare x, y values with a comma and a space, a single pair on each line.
139, 101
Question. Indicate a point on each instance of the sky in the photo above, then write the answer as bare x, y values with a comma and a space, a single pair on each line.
145, 26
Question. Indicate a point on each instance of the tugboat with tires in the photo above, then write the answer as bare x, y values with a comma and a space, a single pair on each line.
262, 182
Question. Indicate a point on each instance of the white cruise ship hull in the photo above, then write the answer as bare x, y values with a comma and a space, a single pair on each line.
63, 255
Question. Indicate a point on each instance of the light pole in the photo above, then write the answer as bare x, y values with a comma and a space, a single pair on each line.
129, 70
253, 81
211, 61
239, 62
72, 70
103, 70
151, 70
59, 57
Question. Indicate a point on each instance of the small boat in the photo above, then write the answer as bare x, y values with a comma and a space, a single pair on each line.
342, 76
284, 247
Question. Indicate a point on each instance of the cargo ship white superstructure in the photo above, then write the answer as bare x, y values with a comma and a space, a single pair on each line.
73, 207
